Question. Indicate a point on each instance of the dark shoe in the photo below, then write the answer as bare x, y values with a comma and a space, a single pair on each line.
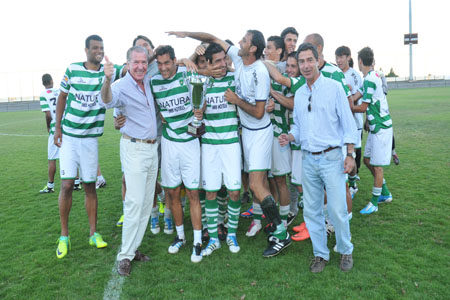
205, 236
318, 264
245, 197
276, 245
138, 256
396, 159
222, 232
291, 218
124, 267
270, 228
346, 262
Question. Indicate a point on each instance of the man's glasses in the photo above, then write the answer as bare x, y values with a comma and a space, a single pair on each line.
309, 104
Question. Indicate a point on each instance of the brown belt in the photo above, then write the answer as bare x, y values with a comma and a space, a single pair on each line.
324, 151
133, 140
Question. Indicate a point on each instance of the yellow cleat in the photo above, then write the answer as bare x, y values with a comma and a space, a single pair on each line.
63, 246
97, 240
120, 222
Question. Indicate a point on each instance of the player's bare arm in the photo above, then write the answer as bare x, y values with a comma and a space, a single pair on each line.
60, 106
276, 75
287, 102
201, 36
256, 111
106, 88
360, 108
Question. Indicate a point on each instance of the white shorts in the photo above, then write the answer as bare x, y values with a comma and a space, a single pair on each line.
358, 141
296, 175
379, 148
281, 158
257, 145
221, 161
79, 153
180, 163
52, 149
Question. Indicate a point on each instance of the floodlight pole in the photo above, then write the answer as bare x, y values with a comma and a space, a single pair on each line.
410, 44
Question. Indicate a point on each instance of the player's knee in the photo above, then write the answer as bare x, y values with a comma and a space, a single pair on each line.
234, 195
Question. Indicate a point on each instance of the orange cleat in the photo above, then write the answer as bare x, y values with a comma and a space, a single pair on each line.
301, 236
300, 227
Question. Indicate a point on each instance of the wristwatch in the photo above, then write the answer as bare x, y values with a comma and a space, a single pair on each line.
352, 154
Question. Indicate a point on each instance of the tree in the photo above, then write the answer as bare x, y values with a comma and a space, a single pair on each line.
391, 73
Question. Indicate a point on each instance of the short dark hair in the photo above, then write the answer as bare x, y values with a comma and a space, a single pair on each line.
306, 47
46, 79
166, 50
343, 50
350, 62
288, 30
258, 41
366, 56
212, 49
143, 37
293, 54
229, 42
278, 42
90, 38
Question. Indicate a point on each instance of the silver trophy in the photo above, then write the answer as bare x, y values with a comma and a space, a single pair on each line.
197, 86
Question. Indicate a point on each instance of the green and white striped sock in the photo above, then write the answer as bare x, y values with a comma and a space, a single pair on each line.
234, 208
212, 211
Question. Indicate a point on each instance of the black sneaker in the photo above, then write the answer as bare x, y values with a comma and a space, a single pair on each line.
196, 255
291, 218
270, 228
77, 187
222, 232
205, 236
276, 245
245, 197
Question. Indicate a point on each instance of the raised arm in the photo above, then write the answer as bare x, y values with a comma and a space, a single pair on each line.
201, 36
106, 93
276, 75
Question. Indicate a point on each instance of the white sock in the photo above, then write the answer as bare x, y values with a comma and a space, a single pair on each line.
77, 181
155, 212
180, 232
197, 237
167, 213
100, 178
50, 185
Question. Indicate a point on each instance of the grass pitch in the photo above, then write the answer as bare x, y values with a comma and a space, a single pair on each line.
400, 252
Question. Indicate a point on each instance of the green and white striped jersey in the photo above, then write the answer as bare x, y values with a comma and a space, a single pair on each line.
174, 102
221, 122
378, 110
287, 92
83, 116
333, 72
279, 116
47, 101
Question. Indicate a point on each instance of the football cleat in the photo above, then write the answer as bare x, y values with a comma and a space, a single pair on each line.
253, 229
233, 244
385, 199
301, 236
100, 183
300, 227
213, 245
168, 226
97, 240
155, 225
276, 245
120, 222
63, 246
46, 190
196, 255
368, 209
176, 245
291, 218
248, 214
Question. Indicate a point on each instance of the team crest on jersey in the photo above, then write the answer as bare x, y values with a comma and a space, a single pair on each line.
181, 81
65, 81
230, 82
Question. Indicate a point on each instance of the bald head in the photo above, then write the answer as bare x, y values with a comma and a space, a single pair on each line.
315, 39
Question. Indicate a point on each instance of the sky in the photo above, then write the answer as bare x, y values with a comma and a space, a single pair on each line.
46, 36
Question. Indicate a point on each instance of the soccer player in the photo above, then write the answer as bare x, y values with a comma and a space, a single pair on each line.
354, 83
252, 92
48, 106
180, 161
76, 134
290, 38
221, 152
377, 153
281, 156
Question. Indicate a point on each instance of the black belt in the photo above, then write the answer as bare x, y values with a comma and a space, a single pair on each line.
324, 151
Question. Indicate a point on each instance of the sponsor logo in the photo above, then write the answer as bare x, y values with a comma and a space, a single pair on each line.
163, 88
195, 181
81, 80
65, 81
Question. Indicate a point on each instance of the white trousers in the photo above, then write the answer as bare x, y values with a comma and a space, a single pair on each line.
140, 165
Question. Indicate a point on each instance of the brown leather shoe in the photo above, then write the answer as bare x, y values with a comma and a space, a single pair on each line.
124, 267
346, 262
138, 256
318, 264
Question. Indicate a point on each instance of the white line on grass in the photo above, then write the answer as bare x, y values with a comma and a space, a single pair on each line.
114, 287
23, 135
12, 123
